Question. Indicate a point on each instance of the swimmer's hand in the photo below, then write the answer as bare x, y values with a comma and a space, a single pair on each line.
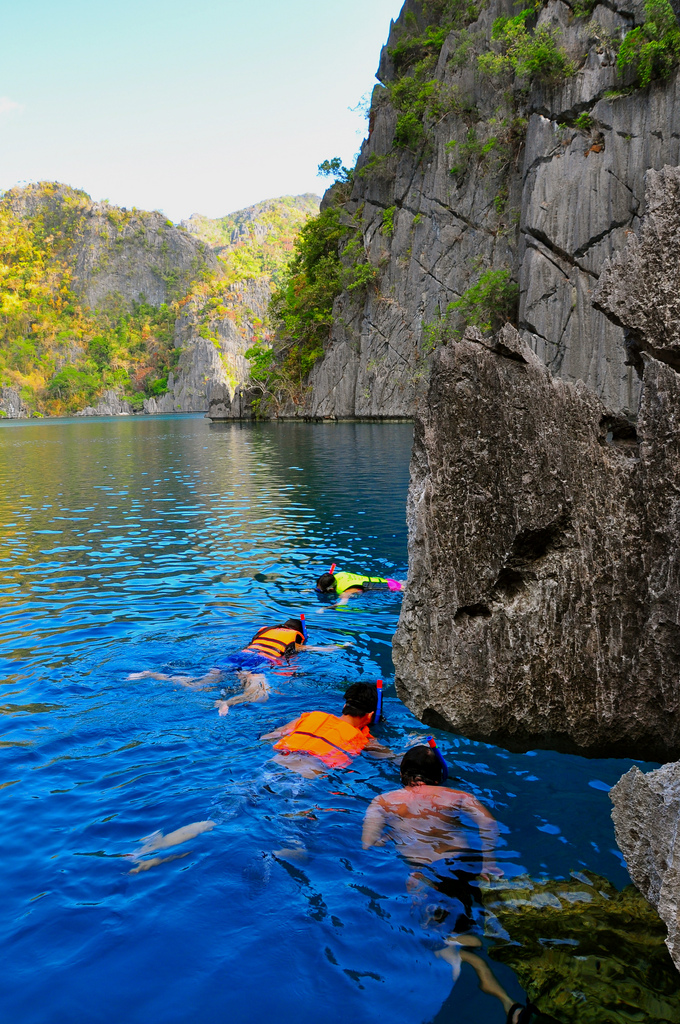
222, 707
490, 871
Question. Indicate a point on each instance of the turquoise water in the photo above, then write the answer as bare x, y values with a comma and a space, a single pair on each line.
164, 543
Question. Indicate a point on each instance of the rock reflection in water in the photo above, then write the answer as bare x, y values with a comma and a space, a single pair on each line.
583, 951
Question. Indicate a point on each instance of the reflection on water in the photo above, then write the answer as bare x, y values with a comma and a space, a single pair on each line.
162, 544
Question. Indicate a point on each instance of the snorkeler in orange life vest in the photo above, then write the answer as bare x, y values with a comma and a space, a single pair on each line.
345, 584
270, 646
317, 740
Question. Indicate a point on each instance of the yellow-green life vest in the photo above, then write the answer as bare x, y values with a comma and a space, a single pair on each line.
345, 580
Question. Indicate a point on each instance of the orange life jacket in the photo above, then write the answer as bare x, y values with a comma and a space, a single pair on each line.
275, 641
327, 737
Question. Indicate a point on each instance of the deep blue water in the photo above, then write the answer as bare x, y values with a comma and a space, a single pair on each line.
164, 543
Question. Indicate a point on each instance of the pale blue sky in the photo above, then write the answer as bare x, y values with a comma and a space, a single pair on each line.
203, 106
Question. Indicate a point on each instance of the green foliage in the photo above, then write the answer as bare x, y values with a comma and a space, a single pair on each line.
329, 257
584, 121
419, 98
496, 151
258, 241
100, 350
528, 54
414, 46
388, 221
487, 304
653, 48
334, 169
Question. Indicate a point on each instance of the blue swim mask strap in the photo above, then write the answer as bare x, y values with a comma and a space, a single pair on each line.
445, 768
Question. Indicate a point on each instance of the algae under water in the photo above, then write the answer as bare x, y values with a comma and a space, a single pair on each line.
163, 543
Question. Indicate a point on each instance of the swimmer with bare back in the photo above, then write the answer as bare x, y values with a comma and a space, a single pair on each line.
428, 825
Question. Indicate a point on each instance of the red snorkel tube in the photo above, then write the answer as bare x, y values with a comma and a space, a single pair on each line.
332, 569
445, 768
378, 710
304, 626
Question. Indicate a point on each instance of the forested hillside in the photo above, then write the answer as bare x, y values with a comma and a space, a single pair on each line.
94, 297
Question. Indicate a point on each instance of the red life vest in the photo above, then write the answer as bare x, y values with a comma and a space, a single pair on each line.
275, 641
327, 737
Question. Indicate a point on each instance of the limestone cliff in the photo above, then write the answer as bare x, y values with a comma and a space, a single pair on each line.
543, 598
542, 177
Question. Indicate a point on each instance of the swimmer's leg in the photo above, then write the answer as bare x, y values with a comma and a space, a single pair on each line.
211, 677
256, 690
488, 982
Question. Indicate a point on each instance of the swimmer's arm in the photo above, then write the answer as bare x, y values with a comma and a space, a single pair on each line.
488, 832
283, 730
323, 650
374, 823
376, 749
346, 594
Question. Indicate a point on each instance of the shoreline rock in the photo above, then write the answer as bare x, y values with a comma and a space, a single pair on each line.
646, 814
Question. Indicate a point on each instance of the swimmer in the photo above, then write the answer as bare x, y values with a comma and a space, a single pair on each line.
345, 584
423, 820
269, 647
317, 741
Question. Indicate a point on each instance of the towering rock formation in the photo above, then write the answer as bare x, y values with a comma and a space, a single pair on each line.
484, 172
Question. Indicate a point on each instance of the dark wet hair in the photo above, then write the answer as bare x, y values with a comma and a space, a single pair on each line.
421, 764
326, 583
360, 699
295, 624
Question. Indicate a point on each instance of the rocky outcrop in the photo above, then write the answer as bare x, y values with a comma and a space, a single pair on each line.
543, 600
551, 201
224, 406
646, 815
12, 406
110, 404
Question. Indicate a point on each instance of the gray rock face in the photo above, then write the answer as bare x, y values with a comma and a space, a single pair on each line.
110, 404
136, 256
543, 600
646, 814
553, 209
12, 405
639, 288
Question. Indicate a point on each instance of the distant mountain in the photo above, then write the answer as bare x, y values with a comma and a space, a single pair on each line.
120, 310
259, 239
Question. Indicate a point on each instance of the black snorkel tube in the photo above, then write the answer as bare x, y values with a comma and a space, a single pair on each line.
445, 768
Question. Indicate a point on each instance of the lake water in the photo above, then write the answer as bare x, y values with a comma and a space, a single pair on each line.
164, 543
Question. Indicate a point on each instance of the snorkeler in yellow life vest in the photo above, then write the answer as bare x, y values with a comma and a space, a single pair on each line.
271, 646
344, 584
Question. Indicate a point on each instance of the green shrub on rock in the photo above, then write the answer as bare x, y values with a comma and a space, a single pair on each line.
529, 54
652, 49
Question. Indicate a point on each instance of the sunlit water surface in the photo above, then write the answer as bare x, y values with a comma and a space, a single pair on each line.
165, 543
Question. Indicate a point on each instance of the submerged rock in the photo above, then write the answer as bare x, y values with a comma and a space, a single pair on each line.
543, 601
584, 952
646, 814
